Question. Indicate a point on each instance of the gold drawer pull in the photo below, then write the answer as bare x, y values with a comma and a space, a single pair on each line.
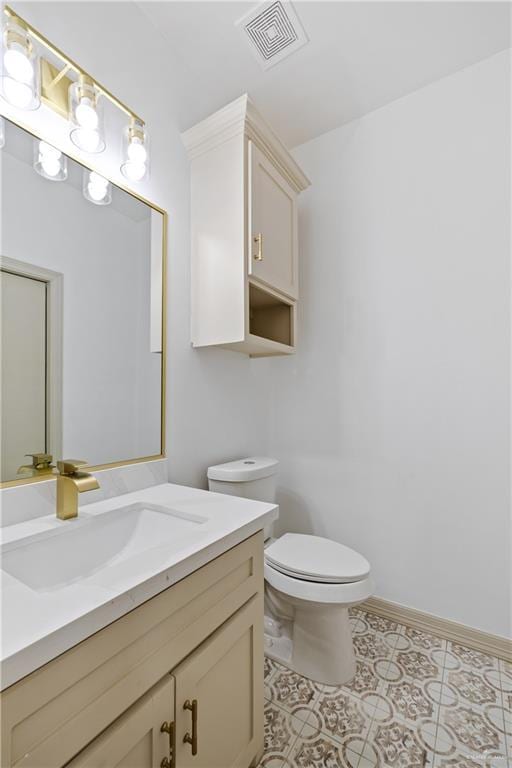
258, 240
188, 739
166, 727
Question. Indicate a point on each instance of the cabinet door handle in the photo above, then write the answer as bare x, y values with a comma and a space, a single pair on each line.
188, 739
258, 240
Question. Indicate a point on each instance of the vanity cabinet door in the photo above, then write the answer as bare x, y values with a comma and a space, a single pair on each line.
135, 740
273, 246
219, 695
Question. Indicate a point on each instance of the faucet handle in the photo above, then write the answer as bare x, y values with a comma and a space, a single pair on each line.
41, 460
70, 466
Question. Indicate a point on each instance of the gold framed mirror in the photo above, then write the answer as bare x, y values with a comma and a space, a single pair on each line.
83, 315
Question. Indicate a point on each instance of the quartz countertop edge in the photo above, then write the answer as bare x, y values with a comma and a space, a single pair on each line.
238, 519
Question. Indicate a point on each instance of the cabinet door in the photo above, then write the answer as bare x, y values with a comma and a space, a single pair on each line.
273, 241
223, 682
135, 740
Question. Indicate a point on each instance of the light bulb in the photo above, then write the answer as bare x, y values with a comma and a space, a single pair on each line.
86, 139
19, 71
137, 151
17, 64
86, 115
135, 162
134, 171
50, 166
50, 162
18, 94
97, 186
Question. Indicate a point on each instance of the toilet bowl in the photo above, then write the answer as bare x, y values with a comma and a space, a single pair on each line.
310, 583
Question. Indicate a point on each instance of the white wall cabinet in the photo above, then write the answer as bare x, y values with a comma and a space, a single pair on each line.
176, 683
273, 247
244, 189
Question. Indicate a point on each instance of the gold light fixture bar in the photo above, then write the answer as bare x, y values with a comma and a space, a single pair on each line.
68, 64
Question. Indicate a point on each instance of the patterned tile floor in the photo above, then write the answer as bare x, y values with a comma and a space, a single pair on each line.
416, 700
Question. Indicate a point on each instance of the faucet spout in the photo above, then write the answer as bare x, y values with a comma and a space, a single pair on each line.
70, 482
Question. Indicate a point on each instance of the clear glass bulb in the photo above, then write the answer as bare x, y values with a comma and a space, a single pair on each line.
134, 171
50, 166
49, 161
19, 70
86, 139
18, 94
135, 163
137, 151
17, 64
86, 115
96, 188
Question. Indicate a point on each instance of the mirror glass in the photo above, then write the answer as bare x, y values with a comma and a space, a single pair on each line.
81, 316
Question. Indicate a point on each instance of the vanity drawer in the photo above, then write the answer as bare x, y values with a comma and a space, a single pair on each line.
50, 715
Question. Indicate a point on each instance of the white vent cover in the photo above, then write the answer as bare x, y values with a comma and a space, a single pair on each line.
274, 31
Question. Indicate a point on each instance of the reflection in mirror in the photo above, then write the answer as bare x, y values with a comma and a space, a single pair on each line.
81, 317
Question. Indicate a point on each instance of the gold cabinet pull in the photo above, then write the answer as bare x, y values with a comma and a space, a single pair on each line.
188, 739
258, 240
166, 727
165, 763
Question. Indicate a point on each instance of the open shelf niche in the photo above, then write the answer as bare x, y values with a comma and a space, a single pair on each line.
270, 316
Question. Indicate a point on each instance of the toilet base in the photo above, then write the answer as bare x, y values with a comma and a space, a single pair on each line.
316, 642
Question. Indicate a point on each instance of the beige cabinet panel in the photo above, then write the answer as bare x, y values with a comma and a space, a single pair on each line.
273, 225
223, 678
135, 740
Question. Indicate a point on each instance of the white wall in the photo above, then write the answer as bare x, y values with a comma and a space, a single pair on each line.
208, 391
391, 423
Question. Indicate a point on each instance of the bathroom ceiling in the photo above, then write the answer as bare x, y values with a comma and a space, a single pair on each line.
361, 55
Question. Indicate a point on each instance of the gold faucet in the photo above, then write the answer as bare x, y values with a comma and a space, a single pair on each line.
41, 463
71, 482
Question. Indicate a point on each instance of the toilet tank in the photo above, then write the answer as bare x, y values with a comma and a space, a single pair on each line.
252, 478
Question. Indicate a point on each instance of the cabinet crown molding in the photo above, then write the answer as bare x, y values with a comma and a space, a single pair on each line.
241, 118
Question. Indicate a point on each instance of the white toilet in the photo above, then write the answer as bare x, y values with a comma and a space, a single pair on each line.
310, 583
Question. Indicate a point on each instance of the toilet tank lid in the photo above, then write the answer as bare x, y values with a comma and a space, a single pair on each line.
243, 470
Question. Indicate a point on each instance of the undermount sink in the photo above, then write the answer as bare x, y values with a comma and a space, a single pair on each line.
82, 547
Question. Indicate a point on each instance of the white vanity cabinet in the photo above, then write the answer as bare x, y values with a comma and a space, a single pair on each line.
176, 682
244, 189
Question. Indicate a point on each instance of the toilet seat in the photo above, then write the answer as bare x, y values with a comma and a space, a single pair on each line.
315, 559
348, 593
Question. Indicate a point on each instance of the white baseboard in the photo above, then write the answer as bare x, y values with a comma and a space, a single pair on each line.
495, 645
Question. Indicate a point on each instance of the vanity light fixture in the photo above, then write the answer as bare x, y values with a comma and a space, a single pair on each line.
86, 115
27, 79
2, 132
49, 161
96, 188
135, 151
19, 67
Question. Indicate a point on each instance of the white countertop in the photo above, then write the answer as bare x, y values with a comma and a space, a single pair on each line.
39, 624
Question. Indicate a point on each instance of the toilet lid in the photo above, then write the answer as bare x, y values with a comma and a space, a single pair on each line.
313, 558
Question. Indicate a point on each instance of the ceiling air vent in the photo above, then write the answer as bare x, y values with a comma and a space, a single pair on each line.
274, 31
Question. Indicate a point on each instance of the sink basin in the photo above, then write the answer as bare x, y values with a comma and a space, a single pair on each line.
82, 547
